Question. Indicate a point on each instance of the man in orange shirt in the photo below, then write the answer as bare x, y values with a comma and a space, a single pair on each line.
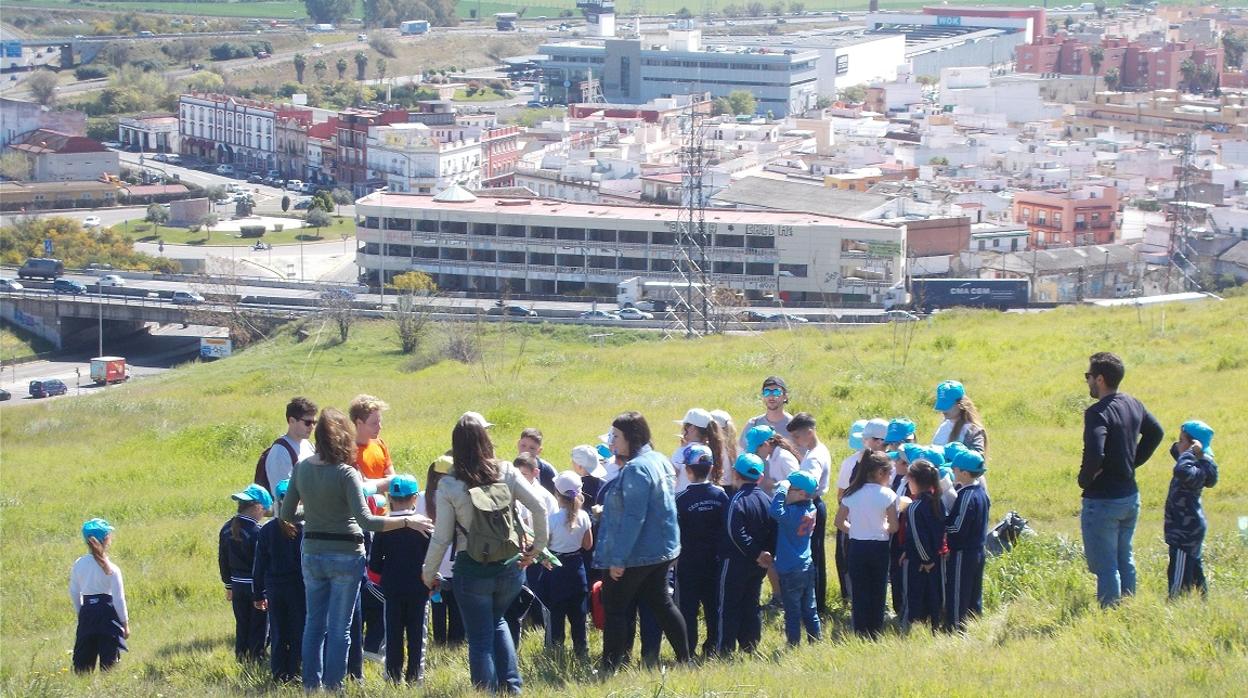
372, 459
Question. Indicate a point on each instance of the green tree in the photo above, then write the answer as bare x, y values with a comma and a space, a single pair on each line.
361, 64
342, 197
684, 13
732, 11
1233, 46
1096, 56
755, 8
777, 8
1188, 70
301, 62
797, 8
1112, 79
14, 166
381, 68
1207, 78
74, 245
318, 218
204, 81
243, 207
157, 214
853, 94
43, 87
742, 102
341, 65
320, 69
1100, 7
329, 11
285, 203
322, 200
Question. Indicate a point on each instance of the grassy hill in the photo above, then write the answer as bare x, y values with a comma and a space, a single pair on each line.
160, 457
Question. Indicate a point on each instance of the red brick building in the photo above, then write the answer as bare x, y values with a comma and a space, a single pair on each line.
351, 146
1060, 218
1140, 67
500, 150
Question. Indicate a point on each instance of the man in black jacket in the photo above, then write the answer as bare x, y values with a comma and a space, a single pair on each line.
1119, 435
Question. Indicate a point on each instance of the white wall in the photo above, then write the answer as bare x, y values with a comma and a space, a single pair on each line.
865, 63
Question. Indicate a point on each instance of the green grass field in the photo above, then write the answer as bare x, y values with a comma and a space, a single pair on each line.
159, 458
16, 343
142, 231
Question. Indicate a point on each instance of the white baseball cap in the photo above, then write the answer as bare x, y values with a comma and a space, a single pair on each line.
698, 417
875, 429
568, 483
721, 418
477, 417
587, 457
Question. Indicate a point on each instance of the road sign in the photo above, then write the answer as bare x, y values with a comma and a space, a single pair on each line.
47, 245
881, 248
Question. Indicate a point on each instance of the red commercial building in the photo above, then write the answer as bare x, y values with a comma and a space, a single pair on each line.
500, 150
1139, 67
1060, 218
351, 146
1038, 18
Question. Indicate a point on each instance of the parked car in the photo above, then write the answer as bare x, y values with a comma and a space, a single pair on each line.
41, 267
303, 203
598, 315
5, 395
92, 222
187, 298
225, 170
262, 54
361, 37
112, 280
10, 285
69, 286
634, 314
512, 310
294, 184
47, 387
255, 179
534, 105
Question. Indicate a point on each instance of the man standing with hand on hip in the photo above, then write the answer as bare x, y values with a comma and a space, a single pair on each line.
1119, 435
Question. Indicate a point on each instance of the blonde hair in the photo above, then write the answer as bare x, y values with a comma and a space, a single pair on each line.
573, 505
99, 551
363, 406
968, 414
335, 438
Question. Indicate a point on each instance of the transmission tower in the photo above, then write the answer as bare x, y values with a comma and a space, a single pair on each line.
1181, 222
691, 265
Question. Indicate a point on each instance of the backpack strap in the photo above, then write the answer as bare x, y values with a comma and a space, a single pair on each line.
294, 457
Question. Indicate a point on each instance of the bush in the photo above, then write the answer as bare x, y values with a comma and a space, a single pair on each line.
227, 50
90, 72
251, 231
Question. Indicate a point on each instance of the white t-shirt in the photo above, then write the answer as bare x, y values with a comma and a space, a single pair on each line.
678, 466
868, 519
564, 539
277, 464
781, 464
847, 470
818, 464
548, 500
86, 578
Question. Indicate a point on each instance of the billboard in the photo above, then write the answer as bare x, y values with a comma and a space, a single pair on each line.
215, 347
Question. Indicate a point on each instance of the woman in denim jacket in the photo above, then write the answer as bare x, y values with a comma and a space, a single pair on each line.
639, 542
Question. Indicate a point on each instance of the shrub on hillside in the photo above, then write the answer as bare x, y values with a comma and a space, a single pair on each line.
251, 231
90, 72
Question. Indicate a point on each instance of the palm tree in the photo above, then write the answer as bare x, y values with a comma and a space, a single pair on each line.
1096, 55
1207, 77
1188, 70
381, 69
320, 68
342, 65
301, 62
361, 64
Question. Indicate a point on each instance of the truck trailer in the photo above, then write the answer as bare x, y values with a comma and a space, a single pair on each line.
927, 295
108, 369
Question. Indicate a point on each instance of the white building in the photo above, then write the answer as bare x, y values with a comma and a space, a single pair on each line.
232, 130
845, 59
556, 247
413, 157
1016, 97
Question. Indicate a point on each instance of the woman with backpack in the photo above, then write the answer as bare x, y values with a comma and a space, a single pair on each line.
639, 541
476, 506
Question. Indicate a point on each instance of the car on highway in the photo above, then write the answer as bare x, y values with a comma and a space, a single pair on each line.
5, 395
68, 286
186, 298
534, 105
337, 295
512, 310
598, 315
900, 316
112, 280
47, 387
42, 267
634, 314
784, 320
10, 285
361, 37
225, 170
92, 222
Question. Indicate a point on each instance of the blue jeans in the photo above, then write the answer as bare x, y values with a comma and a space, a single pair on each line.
332, 583
797, 591
1108, 527
491, 653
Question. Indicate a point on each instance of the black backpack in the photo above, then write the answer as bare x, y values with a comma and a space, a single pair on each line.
262, 476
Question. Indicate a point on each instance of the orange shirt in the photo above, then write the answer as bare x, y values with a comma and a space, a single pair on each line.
372, 459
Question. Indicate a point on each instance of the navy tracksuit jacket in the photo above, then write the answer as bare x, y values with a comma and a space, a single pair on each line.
923, 592
236, 559
700, 511
966, 530
1185, 520
277, 576
398, 556
750, 531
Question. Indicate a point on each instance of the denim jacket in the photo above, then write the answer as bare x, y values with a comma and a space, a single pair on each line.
638, 515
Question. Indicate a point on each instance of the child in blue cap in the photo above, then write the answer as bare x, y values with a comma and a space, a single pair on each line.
1185, 526
745, 554
793, 508
923, 516
277, 587
966, 529
700, 511
236, 559
99, 598
397, 556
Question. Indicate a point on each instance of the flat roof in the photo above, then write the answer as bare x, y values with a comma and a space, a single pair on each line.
618, 212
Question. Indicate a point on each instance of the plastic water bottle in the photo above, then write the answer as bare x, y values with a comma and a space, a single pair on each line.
436, 597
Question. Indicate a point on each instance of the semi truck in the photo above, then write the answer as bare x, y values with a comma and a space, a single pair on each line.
652, 296
413, 27
927, 295
109, 369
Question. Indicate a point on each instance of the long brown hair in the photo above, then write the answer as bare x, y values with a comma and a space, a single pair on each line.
431, 488
713, 437
473, 454
968, 414
635, 430
335, 438
236, 524
728, 431
573, 505
99, 551
927, 479
867, 471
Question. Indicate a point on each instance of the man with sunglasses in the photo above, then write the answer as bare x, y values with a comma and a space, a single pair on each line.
775, 396
293, 446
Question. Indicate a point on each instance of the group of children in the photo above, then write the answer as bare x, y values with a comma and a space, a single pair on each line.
909, 517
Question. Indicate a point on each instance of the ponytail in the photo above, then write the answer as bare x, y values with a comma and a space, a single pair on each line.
99, 551
573, 507
927, 478
867, 470
714, 439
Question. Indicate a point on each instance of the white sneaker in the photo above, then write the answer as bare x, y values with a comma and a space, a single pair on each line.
375, 657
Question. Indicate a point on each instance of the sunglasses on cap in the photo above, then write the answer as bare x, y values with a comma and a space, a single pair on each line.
773, 392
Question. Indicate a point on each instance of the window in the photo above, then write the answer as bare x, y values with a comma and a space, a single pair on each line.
1026, 215
541, 258
730, 241
507, 257
542, 232
842, 64
796, 270
982, 244
663, 238
633, 263
454, 253
760, 242
1042, 217
511, 231
634, 237
760, 269
570, 233
1057, 219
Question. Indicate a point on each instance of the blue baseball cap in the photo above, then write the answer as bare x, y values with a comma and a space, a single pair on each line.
899, 430
855, 435
749, 466
282, 487
913, 452
804, 482
757, 436
96, 528
952, 449
892, 455
404, 486
697, 453
947, 395
254, 493
1201, 432
970, 461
